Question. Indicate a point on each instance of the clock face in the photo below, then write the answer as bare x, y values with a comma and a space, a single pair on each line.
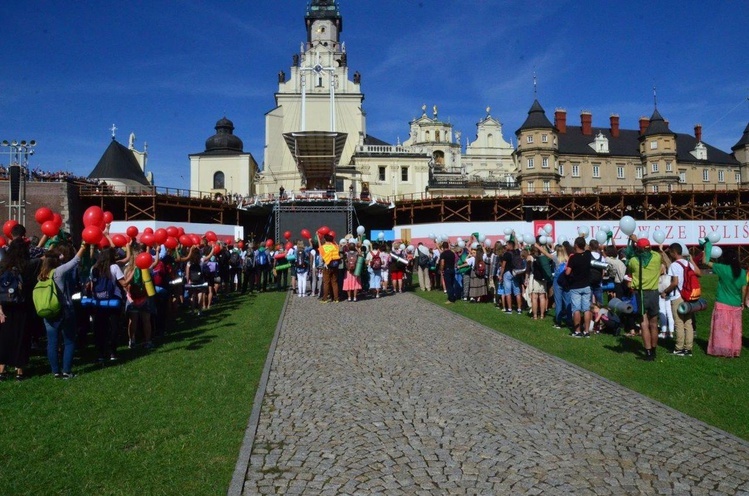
318, 68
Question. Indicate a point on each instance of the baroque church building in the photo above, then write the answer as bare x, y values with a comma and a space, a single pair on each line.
316, 142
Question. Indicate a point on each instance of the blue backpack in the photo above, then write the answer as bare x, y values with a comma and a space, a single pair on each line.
102, 286
262, 258
11, 286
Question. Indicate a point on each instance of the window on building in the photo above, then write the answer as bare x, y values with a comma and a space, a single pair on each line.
653, 188
670, 186
721, 176
545, 163
682, 176
382, 171
561, 169
654, 167
547, 186
638, 172
544, 138
427, 136
653, 145
669, 167
530, 163
436, 136
737, 176
705, 175
597, 171
529, 139
575, 170
531, 186
218, 180
404, 174
620, 172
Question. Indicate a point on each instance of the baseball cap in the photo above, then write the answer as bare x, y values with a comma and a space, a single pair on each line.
643, 243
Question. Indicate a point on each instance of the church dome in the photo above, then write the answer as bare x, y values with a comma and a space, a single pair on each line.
224, 140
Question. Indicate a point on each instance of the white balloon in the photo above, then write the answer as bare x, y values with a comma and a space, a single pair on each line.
627, 225
562, 240
548, 228
659, 236
529, 238
508, 231
488, 243
714, 237
401, 246
540, 231
423, 250
381, 235
601, 237
716, 252
474, 245
684, 249
583, 231
461, 244
519, 238
432, 236
482, 237
542, 239
366, 242
360, 230
343, 241
606, 228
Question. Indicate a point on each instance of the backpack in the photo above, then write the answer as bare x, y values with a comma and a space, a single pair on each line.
102, 286
262, 259
137, 288
46, 299
690, 287
596, 274
424, 260
518, 263
196, 274
162, 273
11, 286
376, 262
480, 269
351, 258
235, 260
249, 260
302, 260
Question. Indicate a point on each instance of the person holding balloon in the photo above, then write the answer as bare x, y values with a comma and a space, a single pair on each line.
726, 328
644, 267
106, 318
332, 260
140, 304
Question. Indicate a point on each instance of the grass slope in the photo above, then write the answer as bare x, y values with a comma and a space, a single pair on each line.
709, 388
169, 421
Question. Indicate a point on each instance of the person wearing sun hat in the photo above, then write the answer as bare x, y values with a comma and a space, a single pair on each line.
644, 266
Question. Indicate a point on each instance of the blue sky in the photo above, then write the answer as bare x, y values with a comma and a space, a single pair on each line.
167, 71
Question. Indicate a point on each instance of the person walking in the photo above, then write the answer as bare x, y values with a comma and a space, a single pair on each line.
683, 323
726, 328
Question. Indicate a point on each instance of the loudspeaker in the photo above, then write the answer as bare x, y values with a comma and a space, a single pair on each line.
15, 183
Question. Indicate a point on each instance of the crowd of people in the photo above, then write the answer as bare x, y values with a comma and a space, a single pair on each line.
588, 288
38, 174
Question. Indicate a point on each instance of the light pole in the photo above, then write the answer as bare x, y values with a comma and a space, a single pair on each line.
19, 153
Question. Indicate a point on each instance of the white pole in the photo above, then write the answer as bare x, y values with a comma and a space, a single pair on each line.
304, 104
332, 100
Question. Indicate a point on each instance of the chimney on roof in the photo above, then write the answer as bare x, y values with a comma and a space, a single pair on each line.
586, 121
560, 120
614, 120
644, 123
698, 132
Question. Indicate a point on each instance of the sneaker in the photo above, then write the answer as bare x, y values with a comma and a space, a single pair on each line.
508, 311
586, 334
688, 353
661, 335
131, 343
520, 312
68, 376
577, 334
58, 376
557, 326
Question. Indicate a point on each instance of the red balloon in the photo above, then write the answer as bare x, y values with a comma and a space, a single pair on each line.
172, 231
57, 219
160, 235
93, 216
108, 217
2, 242
49, 228
216, 249
91, 235
132, 231
306, 234
241, 245
103, 243
211, 236
196, 240
181, 230
148, 230
143, 260
331, 233
8, 226
147, 238
185, 240
324, 230
287, 235
288, 245
171, 242
119, 240
43, 214
269, 243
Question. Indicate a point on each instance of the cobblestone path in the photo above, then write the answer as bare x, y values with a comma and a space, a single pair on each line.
398, 396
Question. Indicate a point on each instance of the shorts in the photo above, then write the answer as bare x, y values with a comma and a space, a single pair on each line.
384, 274
510, 283
538, 287
649, 302
396, 275
580, 299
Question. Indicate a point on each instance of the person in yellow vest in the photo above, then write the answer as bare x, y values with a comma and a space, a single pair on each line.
332, 260
644, 266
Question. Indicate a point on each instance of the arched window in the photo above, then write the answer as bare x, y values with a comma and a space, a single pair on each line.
439, 157
218, 180
427, 136
436, 136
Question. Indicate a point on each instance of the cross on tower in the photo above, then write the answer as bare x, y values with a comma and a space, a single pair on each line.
113, 129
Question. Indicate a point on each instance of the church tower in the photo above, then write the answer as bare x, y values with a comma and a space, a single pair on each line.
318, 109
658, 155
536, 153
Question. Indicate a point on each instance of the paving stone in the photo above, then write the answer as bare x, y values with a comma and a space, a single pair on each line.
399, 396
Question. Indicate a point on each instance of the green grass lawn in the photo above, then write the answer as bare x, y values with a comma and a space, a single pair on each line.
714, 390
168, 421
